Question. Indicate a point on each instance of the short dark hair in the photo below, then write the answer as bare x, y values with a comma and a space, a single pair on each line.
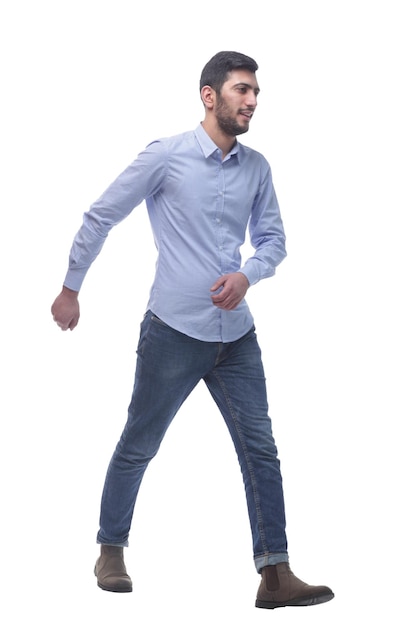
216, 71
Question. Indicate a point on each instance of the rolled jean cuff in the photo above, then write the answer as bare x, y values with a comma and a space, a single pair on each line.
270, 559
125, 544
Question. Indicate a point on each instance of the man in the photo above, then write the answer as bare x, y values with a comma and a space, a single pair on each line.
202, 189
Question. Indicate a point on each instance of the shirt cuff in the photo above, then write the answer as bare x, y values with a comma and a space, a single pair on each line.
74, 279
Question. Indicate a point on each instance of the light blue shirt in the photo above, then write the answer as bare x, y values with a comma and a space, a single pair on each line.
200, 208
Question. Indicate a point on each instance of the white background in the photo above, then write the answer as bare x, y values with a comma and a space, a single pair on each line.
85, 86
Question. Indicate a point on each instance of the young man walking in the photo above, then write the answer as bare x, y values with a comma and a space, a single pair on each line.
202, 190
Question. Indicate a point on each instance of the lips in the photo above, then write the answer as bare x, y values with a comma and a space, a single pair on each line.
247, 113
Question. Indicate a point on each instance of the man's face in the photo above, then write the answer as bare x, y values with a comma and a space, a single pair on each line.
237, 102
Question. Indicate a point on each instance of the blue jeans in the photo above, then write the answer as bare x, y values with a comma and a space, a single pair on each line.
169, 366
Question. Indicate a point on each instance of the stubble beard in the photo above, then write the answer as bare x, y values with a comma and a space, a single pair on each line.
226, 122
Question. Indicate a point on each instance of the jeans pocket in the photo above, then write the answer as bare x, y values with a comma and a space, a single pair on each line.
155, 318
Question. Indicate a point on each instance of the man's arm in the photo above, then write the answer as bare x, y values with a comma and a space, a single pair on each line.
66, 309
266, 234
137, 182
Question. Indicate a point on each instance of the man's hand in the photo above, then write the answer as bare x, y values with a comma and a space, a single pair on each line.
66, 309
233, 288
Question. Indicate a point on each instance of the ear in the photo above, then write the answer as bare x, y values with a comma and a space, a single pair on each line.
208, 96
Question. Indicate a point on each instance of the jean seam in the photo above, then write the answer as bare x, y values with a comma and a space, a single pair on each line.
247, 460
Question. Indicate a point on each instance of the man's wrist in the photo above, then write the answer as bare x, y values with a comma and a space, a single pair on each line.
69, 292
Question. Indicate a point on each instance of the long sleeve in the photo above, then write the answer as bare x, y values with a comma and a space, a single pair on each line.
138, 181
266, 234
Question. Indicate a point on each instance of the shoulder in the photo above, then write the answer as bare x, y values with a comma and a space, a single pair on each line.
173, 142
250, 157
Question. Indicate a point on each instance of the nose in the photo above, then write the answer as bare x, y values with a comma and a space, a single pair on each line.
251, 99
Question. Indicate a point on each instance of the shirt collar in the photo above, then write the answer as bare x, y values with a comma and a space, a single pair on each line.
208, 146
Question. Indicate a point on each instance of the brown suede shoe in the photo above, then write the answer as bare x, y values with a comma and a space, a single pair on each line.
279, 587
110, 570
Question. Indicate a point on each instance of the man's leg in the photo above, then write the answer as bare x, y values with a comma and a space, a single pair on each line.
169, 365
237, 384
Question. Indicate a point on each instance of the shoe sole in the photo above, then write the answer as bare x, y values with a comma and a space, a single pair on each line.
114, 590
308, 601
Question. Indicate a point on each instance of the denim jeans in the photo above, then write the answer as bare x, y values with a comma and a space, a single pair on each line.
169, 366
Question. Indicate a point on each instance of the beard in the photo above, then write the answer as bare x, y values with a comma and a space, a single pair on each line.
228, 124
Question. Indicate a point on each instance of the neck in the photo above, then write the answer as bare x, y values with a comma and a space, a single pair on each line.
222, 141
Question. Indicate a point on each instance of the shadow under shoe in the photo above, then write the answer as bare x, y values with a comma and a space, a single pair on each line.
111, 571
280, 587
